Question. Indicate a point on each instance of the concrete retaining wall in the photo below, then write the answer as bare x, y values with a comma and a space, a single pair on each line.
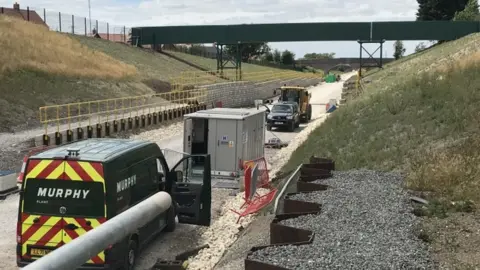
239, 94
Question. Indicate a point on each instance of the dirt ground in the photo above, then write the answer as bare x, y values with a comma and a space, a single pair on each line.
455, 240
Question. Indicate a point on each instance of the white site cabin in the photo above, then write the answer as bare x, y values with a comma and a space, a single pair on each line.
231, 136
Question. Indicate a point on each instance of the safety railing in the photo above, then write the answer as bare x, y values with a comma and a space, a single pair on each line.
185, 88
189, 79
100, 111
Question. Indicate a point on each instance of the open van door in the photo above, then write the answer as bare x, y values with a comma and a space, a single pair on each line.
187, 136
191, 190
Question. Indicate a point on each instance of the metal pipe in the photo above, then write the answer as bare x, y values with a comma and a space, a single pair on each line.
285, 186
83, 248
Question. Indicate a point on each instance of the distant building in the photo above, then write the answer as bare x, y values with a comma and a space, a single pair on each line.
27, 15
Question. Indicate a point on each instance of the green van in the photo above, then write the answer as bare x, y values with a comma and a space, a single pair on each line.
71, 189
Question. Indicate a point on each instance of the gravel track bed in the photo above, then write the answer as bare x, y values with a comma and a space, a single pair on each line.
365, 223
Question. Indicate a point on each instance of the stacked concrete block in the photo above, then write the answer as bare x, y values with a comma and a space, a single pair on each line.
8, 183
240, 94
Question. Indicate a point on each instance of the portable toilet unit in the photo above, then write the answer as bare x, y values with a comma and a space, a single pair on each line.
231, 136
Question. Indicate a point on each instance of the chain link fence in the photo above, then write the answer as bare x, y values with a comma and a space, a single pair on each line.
69, 23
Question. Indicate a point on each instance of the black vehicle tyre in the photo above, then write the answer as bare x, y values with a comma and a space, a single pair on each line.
171, 224
309, 112
291, 127
304, 118
269, 127
131, 255
297, 124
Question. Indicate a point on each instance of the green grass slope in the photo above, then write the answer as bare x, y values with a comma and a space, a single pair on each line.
419, 116
40, 67
211, 64
149, 64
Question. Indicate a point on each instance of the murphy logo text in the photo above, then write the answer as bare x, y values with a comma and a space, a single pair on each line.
64, 193
126, 183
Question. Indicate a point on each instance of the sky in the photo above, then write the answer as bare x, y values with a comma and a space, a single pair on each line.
201, 12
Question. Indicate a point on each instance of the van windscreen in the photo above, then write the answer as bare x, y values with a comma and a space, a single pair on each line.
64, 198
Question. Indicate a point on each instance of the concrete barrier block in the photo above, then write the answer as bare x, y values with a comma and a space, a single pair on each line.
8, 183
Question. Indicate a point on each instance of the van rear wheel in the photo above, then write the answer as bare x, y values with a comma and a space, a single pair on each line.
131, 256
171, 224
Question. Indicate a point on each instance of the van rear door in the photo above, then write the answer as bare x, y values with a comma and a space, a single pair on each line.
61, 200
191, 189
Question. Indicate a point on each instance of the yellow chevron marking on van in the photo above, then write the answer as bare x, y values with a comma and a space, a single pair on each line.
38, 169
72, 174
29, 220
91, 171
55, 174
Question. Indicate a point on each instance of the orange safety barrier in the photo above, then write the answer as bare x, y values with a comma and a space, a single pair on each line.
256, 177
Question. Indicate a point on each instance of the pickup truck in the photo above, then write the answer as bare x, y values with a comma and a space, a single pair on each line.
284, 115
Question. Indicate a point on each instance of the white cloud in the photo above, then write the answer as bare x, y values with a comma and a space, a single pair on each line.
191, 12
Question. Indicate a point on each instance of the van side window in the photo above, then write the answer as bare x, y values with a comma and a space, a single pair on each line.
160, 167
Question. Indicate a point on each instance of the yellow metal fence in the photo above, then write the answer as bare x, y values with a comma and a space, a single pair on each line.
89, 113
192, 78
184, 91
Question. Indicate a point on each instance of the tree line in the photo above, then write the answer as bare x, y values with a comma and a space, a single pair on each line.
254, 52
263, 52
440, 10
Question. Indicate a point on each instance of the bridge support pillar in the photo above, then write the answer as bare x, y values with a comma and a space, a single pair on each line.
223, 59
376, 62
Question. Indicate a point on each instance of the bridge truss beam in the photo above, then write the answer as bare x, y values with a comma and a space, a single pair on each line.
376, 62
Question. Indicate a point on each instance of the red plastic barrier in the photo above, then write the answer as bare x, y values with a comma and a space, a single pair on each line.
256, 205
256, 176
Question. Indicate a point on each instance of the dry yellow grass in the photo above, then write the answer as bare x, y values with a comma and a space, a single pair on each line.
460, 62
31, 46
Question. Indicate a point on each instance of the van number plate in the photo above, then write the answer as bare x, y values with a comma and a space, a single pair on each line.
39, 252
278, 123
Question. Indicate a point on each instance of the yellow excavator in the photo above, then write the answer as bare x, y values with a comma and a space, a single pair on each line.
301, 97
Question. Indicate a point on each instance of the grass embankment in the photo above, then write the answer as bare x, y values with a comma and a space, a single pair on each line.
39, 67
419, 116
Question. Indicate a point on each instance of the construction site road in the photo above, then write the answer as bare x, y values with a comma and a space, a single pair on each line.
168, 245
257, 233
320, 95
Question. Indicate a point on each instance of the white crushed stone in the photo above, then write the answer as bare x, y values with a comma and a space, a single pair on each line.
161, 134
8, 229
283, 155
222, 233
